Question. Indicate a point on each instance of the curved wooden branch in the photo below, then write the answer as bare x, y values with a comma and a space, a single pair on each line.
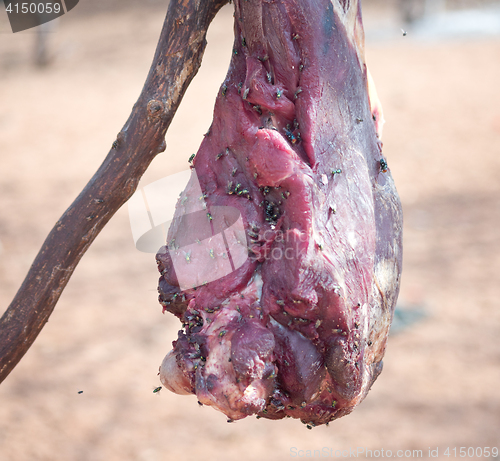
177, 60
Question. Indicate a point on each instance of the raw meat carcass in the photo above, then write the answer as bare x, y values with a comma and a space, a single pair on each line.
283, 260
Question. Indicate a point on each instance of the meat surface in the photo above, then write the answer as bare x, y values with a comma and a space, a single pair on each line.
283, 260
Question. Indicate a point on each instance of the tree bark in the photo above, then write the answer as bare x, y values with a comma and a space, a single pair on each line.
177, 60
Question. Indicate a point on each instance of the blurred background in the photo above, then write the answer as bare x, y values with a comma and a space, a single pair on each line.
437, 69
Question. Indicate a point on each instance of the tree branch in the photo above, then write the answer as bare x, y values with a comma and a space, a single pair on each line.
177, 60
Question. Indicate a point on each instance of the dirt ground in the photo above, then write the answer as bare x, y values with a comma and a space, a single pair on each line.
107, 336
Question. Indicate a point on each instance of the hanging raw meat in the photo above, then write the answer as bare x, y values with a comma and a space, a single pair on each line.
284, 258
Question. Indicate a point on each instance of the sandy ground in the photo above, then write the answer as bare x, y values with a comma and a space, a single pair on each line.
107, 336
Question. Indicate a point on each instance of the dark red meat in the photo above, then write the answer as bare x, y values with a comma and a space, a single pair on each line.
284, 258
